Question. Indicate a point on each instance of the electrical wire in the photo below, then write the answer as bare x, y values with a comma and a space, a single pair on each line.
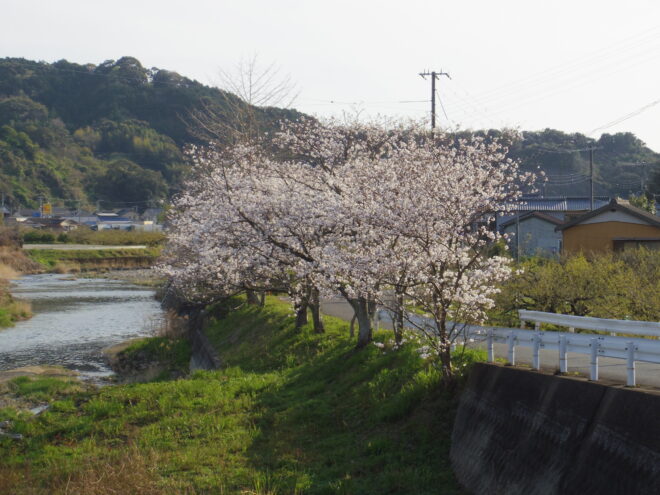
628, 116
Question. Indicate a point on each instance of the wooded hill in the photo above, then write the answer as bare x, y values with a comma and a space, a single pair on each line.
114, 132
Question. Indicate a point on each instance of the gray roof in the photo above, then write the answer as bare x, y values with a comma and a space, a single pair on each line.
557, 204
532, 214
615, 205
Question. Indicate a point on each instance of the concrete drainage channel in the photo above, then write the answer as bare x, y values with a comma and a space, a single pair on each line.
203, 356
523, 432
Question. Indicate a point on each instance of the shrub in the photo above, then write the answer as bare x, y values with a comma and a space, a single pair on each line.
38, 236
620, 286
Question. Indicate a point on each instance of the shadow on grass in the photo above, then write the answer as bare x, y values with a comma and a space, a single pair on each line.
346, 421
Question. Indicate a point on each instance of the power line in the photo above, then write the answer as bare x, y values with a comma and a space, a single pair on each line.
630, 115
367, 102
443, 109
434, 76
549, 76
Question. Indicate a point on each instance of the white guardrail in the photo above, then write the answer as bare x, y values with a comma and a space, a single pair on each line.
630, 347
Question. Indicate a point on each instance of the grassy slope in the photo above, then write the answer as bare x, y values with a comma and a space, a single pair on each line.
293, 412
49, 258
11, 310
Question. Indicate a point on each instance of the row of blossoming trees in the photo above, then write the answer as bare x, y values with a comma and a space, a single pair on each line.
380, 213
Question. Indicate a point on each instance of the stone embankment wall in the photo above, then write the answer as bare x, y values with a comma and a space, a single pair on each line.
522, 432
203, 356
118, 263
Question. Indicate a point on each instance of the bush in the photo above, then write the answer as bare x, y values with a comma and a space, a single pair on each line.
114, 237
34, 236
619, 286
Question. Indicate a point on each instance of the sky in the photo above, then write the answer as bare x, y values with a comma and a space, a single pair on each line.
578, 66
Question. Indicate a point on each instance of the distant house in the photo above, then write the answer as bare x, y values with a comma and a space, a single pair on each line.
111, 221
129, 213
534, 233
615, 226
147, 226
563, 208
152, 214
82, 217
53, 223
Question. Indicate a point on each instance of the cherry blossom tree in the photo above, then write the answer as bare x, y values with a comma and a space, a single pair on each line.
428, 206
381, 213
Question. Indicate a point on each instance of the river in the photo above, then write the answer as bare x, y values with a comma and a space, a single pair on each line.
74, 319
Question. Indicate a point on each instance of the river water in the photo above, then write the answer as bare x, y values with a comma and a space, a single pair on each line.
74, 319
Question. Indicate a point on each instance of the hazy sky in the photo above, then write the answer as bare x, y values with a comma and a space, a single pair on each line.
572, 65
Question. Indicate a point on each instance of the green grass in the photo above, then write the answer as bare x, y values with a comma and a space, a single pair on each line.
172, 354
292, 412
49, 258
42, 388
83, 235
11, 310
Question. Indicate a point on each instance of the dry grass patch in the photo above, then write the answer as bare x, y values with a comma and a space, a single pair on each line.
132, 472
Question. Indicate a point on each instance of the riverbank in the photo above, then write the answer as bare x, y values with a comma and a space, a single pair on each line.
291, 412
12, 310
30, 387
82, 260
149, 358
13, 263
145, 277
74, 318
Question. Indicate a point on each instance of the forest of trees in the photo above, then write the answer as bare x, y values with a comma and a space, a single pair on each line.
116, 131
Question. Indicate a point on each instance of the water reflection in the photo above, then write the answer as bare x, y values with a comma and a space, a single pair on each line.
74, 319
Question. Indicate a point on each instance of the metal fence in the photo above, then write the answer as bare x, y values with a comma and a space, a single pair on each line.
623, 341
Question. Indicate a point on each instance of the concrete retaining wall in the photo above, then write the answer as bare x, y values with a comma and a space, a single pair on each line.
203, 355
521, 432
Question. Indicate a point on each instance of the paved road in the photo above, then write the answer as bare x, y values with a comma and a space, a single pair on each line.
610, 370
78, 247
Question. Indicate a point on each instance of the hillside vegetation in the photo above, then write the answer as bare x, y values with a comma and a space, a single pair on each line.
292, 412
112, 132
116, 131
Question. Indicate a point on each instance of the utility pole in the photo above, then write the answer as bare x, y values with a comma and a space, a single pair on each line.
644, 176
434, 76
518, 235
591, 175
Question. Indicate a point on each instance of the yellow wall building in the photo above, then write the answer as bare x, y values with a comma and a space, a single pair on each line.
613, 227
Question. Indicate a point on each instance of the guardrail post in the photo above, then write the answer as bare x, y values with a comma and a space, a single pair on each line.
563, 355
511, 356
630, 365
536, 345
490, 347
594, 360
571, 329
537, 326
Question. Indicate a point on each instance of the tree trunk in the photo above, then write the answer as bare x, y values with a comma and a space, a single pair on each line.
252, 297
397, 320
315, 305
352, 334
363, 314
445, 352
445, 361
301, 314
262, 299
